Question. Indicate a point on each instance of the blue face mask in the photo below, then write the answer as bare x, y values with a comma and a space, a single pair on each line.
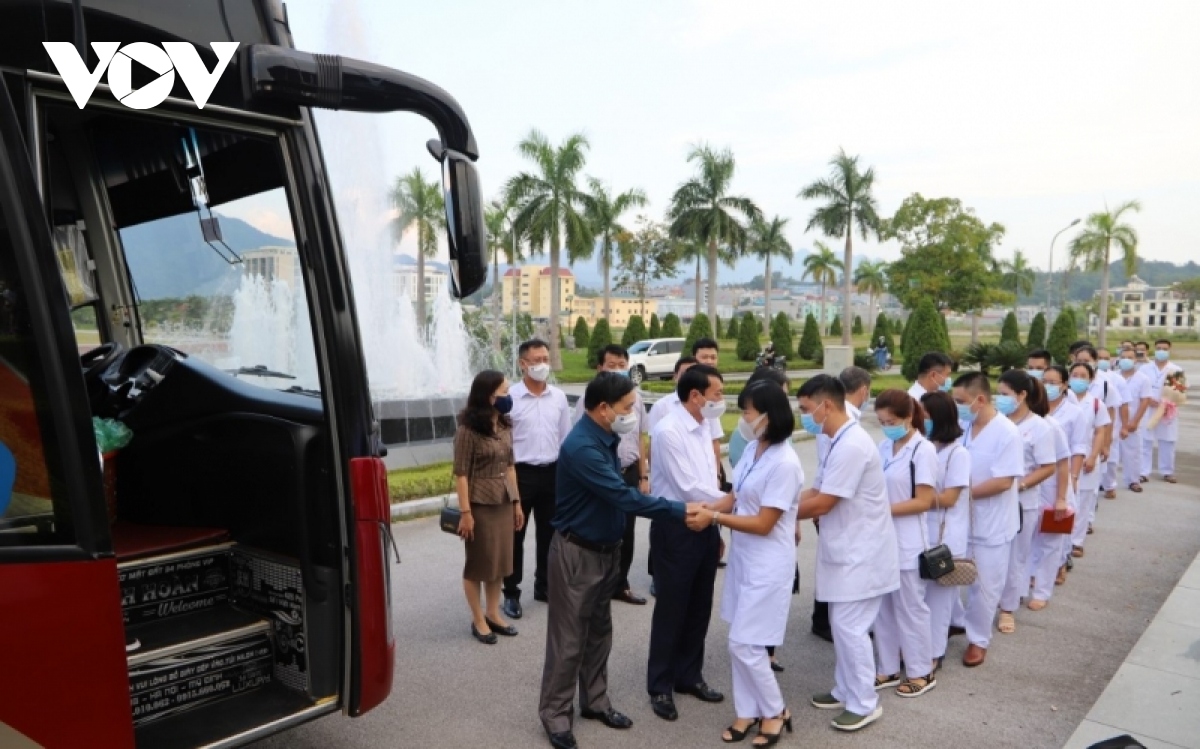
965, 413
1006, 404
945, 388
1103, 365
895, 432
810, 424
928, 428
1035, 373
1053, 392
1078, 385
1126, 365
1162, 354
504, 403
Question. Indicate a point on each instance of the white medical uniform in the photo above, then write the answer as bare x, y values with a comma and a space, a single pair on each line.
1050, 551
1109, 392
823, 443
758, 579
916, 390
1137, 386
856, 560
1165, 433
954, 471
1037, 438
668, 403
1109, 480
996, 452
903, 625
1048, 547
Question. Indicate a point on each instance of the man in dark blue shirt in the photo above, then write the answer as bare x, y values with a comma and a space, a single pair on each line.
585, 556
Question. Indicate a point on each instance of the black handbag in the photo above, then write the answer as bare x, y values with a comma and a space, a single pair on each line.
937, 561
450, 517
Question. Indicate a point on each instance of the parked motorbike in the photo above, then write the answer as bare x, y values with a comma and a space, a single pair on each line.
771, 361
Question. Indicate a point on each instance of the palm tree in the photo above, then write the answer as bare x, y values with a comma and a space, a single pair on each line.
419, 204
1017, 276
822, 267
603, 214
871, 277
1093, 245
849, 205
551, 210
767, 240
689, 249
702, 209
498, 218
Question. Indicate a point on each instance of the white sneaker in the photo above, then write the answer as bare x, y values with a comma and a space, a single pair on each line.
849, 721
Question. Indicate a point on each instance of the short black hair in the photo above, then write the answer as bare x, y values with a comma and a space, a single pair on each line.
974, 381
704, 343
762, 375
1040, 353
1021, 382
943, 412
1163, 341
696, 378
855, 379
1078, 345
531, 344
931, 360
825, 387
1091, 372
606, 387
1062, 372
1142, 343
683, 361
1089, 350
615, 349
772, 401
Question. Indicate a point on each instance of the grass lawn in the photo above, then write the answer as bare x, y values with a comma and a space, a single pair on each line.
424, 481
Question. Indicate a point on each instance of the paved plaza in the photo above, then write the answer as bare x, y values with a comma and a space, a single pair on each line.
1102, 659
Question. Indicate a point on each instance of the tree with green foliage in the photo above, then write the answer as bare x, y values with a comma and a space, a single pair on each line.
904, 334
1062, 335
1010, 330
758, 323
883, 329
1017, 276
718, 329
768, 239
582, 334
700, 328
781, 336
870, 277
1037, 332
835, 327
1092, 247
603, 212
601, 337
925, 334
419, 204
646, 255
858, 326
731, 330
671, 327
655, 326
810, 340
635, 331
822, 267
748, 344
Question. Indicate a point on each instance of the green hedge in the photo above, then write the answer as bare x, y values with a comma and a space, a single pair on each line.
424, 481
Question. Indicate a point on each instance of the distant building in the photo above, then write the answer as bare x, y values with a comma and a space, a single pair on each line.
273, 263
533, 288
685, 308
621, 308
1142, 307
405, 280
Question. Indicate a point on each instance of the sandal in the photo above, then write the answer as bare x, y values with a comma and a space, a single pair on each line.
1145, 479
1171, 479
1077, 551
1110, 494
770, 739
1008, 624
1135, 488
883, 682
733, 735
916, 687
1061, 578
1090, 530
1036, 605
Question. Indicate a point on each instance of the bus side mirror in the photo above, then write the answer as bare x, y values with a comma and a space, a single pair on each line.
464, 219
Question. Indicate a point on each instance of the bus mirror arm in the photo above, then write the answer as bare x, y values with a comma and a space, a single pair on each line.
307, 79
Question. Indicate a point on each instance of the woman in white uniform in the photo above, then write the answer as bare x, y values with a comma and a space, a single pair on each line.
761, 513
1087, 484
910, 468
949, 521
1021, 398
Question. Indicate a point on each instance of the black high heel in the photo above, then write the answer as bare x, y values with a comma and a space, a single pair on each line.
770, 739
488, 639
736, 735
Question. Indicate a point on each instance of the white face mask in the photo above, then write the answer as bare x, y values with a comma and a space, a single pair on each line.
713, 409
625, 423
538, 372
750, 430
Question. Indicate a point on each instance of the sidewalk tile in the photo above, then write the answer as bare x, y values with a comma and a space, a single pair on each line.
1090, 732
1191, 578
1154, 703
1181, 607
1168, 646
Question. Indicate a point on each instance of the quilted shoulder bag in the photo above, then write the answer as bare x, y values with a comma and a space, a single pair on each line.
964, 572
937, 562
450, 518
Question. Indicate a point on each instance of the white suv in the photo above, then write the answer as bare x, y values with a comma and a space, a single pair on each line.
654, 357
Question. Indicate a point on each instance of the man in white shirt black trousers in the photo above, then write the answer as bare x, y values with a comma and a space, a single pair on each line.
541, 420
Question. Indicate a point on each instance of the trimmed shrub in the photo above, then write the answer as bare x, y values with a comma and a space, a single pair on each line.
601, 337
717, 328
781, 336
810, 340
835, 328
748, 344
731, 330
655, 326
857, 328
671, 327
925, 334
1061, 336
1037, 332
582, 334
700, 328
1010, 330
635, 331
883, 328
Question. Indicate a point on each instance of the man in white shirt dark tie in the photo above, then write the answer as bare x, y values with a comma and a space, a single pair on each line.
683, 468
541, 420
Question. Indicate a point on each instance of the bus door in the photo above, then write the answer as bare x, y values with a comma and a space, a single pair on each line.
61, 634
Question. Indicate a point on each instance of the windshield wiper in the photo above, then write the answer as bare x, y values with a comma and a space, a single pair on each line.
260, 370
303, 390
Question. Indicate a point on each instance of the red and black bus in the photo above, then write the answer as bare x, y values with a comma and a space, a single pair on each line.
225, 575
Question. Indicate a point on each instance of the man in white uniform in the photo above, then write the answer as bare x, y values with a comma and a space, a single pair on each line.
1137, 387
933, 373
997, 464
1166, 432
857, 557
1106, 365
668, 402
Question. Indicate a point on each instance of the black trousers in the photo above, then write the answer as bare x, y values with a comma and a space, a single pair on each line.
820, 615
536, 486
685, 570
632, 475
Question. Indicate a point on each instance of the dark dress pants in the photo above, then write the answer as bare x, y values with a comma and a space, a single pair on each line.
632, 476
820, 615
536, 487
685, 570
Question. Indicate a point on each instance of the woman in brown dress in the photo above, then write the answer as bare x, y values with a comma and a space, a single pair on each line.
486, 482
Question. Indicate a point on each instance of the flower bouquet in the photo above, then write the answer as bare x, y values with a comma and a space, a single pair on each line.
1173, 395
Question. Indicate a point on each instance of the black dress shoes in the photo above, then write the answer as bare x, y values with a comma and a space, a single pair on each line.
702, 692
627, 596
609, 717
824, 634
540, 595
564, 740
509, 631
664, 706
488, 639
511, 608
956, 631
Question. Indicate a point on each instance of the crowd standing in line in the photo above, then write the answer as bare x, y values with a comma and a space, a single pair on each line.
1001, 476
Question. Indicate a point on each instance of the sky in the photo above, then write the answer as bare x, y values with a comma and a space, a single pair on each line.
1031, 113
